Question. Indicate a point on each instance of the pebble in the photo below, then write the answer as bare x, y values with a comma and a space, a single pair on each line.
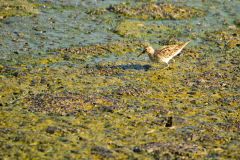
51, 129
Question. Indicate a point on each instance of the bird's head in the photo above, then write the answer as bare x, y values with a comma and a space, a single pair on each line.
148, 49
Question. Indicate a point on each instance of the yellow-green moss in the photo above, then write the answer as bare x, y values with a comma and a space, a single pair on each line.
16, 8
156, 11
102, 101
138, 29
87, 52
229, 38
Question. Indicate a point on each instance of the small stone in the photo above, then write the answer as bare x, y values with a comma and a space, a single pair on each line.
136, 149
66, 57
108, 108
51, 129
169, 122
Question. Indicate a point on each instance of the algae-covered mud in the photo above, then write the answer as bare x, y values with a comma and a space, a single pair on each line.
16, 8
73, 87
155, 11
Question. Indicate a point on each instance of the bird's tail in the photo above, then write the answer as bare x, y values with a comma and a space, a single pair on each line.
186, 43
180, 49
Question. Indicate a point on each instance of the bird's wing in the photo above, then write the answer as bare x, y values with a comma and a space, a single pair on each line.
166, 50
170, 50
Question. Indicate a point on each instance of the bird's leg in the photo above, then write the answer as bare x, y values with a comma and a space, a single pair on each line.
166, 67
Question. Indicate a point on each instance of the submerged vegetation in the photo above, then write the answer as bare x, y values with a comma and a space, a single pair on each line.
101, 101
155, 11
225, 38
138, 29
148, 11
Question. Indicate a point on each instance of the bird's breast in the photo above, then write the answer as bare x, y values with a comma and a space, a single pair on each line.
153, 58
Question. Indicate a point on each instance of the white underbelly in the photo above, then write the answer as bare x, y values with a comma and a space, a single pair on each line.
166, 60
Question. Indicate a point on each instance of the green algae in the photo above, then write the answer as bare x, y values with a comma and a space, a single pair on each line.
150, 11
111, 110
101, 101
155, 11
16, 8
92, 51
229, 38
98, 11
138, 29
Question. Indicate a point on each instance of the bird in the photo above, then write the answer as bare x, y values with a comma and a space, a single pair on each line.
165, 54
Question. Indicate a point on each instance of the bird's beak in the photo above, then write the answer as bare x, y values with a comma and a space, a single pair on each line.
142, 53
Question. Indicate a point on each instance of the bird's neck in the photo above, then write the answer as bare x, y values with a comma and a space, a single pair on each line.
151, 56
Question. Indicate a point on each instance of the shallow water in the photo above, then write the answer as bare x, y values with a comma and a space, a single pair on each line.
72, 86
54, 27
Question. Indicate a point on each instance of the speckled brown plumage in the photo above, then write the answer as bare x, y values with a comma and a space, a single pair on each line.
164, 54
